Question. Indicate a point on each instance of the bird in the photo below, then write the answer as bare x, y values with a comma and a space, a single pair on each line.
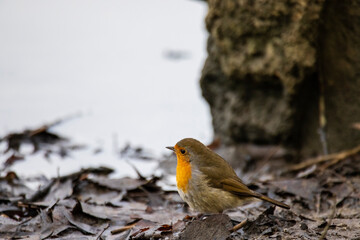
207, 182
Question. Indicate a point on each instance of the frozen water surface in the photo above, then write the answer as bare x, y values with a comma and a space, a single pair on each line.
129, 68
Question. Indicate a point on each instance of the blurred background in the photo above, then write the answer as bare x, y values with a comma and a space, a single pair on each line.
127, 78
120, 71
271, 86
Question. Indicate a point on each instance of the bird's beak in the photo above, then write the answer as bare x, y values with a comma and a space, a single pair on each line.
171, 148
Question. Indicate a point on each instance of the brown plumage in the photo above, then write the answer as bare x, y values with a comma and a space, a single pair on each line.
207, 182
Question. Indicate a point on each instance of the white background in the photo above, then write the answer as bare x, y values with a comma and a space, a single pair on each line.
104, 60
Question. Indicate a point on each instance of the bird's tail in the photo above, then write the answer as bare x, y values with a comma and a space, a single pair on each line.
270, 200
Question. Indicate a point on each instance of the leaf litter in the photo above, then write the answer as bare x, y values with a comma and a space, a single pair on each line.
324, 195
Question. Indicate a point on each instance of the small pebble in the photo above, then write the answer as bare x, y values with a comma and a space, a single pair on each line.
303, 226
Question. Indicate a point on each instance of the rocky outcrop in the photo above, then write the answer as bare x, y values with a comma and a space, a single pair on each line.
271, 64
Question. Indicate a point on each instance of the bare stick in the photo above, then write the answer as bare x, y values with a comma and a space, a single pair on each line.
124, 228
238, 226
320, 159
323, 234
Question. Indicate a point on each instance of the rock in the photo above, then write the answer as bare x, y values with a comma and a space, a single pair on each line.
266, 59
215, 226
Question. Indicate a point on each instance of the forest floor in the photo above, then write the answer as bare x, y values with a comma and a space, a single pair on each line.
323, 192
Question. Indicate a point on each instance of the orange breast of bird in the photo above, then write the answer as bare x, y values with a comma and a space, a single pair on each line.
183, 173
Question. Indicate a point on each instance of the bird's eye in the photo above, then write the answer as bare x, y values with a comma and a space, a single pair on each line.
183, 151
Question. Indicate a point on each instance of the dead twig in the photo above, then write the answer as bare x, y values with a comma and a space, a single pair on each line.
332, 215
106, 227
43, 191
46, 127
124, 228
331, 163
336, 157
140, 176
238, 226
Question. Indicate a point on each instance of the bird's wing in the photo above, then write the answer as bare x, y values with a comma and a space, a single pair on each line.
229, 183
235, 186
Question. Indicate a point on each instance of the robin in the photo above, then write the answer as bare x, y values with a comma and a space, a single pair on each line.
207, 182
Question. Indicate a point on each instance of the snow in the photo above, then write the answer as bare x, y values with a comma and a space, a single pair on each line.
107, 61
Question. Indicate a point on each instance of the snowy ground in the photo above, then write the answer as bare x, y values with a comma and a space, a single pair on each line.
129, 68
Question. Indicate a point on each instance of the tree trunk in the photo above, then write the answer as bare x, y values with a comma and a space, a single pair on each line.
284, 73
